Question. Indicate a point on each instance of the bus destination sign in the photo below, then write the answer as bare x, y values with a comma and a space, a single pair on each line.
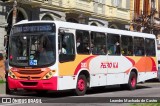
29, 28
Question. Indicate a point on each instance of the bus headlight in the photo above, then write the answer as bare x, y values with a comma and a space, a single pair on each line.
49, 75
11, 74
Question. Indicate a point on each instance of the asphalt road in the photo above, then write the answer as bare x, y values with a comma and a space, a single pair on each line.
93, 97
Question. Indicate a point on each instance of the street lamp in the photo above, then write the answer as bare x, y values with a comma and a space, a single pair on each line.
82, 19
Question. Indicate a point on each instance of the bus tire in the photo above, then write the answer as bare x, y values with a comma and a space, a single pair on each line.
81, 86
132, 83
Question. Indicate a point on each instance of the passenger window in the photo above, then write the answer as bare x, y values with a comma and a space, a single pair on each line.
66, 47
127, 45
68, 43
82, 42
139, 46
113, 44
98, 43
150, 47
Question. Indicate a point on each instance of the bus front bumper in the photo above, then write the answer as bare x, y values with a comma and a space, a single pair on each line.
49, 84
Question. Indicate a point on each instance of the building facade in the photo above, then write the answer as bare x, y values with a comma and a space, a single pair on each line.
106, 13
145, 16
3, 24
118, 12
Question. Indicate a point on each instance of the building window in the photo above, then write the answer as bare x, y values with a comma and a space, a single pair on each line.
117, 3
94, 24
137, 8
146, 7
47, 17
127, 4
99, 6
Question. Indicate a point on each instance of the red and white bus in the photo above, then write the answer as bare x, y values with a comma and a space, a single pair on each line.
54, 55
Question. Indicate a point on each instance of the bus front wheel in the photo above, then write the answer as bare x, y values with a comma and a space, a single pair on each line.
81, 86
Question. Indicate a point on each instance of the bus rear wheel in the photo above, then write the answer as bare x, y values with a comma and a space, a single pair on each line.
132, 82
81, 86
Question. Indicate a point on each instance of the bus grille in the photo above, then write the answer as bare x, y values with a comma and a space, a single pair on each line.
30, 72
33, 78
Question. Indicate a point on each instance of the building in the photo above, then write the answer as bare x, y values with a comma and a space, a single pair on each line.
2, 24
118, 12
145, 16
95, 12
107, 13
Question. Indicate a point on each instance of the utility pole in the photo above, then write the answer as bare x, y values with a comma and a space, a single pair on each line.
14, 17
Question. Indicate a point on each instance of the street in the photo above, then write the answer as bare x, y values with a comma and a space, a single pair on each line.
93, 97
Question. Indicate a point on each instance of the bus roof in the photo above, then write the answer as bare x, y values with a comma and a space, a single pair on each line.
89, 27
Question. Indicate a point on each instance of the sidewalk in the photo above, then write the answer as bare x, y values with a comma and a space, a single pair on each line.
2, 88
2, 70
2, 78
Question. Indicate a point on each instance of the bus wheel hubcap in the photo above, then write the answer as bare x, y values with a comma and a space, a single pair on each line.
81, 84
133, 81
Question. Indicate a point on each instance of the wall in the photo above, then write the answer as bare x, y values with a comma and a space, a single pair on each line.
2, 25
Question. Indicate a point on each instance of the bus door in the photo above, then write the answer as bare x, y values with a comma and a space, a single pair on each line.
66, 52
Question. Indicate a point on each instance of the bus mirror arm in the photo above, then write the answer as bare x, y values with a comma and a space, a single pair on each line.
5, 40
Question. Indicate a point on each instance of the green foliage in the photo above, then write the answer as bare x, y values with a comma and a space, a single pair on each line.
1, 81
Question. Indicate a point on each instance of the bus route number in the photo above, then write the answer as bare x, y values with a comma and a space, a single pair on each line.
83, 65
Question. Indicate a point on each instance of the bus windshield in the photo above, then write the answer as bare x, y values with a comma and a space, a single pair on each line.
32, 49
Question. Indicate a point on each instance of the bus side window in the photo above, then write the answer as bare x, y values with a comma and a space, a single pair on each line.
113, 44
82, 42
150, 47
139, 46
66, 47
127, 45
98, 43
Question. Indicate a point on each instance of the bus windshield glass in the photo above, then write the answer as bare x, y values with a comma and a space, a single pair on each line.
32, 49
